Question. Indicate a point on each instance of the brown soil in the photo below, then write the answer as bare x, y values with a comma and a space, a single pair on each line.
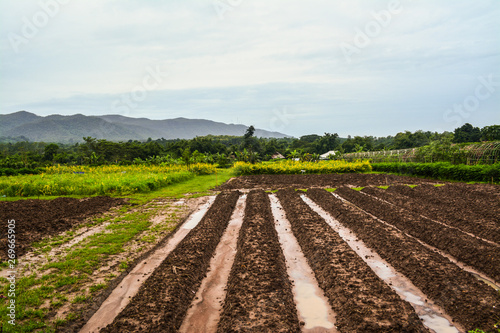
327, 180
38, 219
362, 302
468, 301
259, 296
162, 301
469, 250
432, 202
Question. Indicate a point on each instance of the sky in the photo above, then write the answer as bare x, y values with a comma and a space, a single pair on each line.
352, 67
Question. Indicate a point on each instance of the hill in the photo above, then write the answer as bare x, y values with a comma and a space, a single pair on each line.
69, 129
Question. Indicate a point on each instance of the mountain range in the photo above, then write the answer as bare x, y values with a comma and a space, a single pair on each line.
72, 129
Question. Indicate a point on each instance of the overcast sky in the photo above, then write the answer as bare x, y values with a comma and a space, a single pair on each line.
298, 67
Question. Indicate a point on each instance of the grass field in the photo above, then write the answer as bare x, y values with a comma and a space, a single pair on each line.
103, 180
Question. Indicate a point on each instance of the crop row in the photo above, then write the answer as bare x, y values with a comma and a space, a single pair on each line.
299, 167
79, 180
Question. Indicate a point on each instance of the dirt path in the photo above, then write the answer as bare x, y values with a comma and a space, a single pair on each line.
312, 305
468, 301
162, 301
432, 315
204, 313
259, 296
362, 302
129, 286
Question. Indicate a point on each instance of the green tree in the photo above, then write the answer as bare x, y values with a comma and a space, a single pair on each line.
466, 133
490, 133
50, 151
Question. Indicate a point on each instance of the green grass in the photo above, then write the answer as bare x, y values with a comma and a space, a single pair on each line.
70, 270
357, 188
102, 180
384, 187
331, 189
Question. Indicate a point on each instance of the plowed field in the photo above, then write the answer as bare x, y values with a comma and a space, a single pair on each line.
383, 259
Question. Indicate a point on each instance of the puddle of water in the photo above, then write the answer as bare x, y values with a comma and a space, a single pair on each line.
129, 286
432, 315
204, 313
312, 306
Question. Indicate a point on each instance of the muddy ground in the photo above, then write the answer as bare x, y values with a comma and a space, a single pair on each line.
162, 301
470, 250
272, 182
468, 301
38, 219
259, 296
362, 301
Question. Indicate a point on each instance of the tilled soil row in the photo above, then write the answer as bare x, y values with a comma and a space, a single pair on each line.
259, 296
470, 198
38, 219
446, 210
162, 301
470, 250
326, 180
361, 300
470, 302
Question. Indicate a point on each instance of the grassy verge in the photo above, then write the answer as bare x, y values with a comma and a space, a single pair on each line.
61, 280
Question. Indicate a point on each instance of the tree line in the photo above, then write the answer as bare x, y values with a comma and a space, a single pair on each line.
222, 150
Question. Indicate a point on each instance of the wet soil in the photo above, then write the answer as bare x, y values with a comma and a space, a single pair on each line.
328, 180
469, 302
432, 202
474, 252
259, 295
38, 219
162, 301
361, 300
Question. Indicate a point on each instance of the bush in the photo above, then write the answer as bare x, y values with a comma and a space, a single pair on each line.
444, 170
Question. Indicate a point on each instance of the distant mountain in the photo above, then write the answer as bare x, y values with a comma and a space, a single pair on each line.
69, 129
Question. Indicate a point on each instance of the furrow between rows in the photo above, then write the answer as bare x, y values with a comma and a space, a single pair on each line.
361, 300
259, 296
162, 301
470, 302
450, 211
470, 250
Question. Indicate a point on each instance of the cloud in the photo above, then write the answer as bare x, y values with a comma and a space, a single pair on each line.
256, 57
